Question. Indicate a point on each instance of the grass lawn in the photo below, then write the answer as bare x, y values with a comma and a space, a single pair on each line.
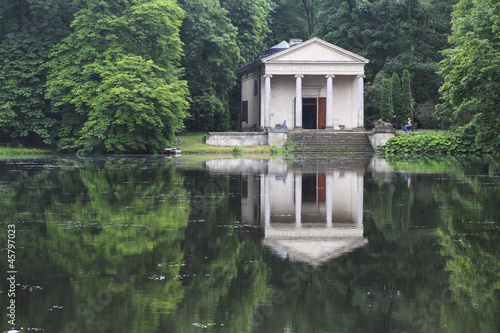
194, 143
14, 149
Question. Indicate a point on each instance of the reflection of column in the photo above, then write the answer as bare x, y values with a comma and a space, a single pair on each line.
329, 100
267, 100
361, 106
298, 200
267, 202
360, 201
298, 100
329, 200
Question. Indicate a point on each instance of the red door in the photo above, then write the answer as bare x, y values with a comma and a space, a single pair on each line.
322, 112
321, 187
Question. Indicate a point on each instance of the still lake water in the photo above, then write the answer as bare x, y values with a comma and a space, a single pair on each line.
346, 244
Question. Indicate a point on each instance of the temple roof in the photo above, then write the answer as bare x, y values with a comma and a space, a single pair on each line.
314, 50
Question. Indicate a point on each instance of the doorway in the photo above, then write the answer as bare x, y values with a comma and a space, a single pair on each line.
314, 113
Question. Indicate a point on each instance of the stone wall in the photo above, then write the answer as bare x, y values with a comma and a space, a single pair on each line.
380, 139
233, 139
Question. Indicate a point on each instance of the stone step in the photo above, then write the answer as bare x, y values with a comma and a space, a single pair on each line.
317, 142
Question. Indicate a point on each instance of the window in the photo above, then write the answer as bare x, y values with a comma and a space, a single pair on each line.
255, 88
244, 111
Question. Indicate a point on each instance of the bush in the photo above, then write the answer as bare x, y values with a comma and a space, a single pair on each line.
275, 150
432, 144
424, 113
237, 151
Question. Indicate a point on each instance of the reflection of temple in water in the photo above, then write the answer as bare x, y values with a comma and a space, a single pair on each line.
308, 211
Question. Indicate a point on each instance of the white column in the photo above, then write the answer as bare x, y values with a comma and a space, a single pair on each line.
361, 102
298, 100
360, 201
298, 201
267, 202
329, 100
267, 100
329, 200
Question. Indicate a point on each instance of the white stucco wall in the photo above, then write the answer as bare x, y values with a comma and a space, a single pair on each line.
247, 89
344, 101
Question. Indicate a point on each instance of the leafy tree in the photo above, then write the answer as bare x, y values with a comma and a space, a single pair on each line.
386, 106
367, 28
115, 80
310, 11
471, 72
28, 31
395, 35
396, 93
211, 59
424, 112
287, 20
425, 29
251, 19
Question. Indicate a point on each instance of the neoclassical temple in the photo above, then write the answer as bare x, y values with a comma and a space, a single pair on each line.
311, 85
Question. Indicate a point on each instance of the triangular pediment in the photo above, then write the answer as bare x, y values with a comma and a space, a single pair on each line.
315, 50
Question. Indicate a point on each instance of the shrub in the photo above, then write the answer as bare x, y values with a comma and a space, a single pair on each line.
275, 150
432, 144
237, 151
424, 113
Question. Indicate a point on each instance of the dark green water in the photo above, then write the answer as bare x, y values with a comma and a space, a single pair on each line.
131, 244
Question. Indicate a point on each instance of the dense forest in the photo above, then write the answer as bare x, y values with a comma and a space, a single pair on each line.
107, 76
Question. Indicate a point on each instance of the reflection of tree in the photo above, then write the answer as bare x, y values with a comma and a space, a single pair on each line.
470, 239
112, 243
225, 276
384, 286
395, 282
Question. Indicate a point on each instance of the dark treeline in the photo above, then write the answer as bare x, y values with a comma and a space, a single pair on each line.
126, 75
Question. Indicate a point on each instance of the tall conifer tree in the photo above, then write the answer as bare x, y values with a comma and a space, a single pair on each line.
396, 94
406, 100
386, 106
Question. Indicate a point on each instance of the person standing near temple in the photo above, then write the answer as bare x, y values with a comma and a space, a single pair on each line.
393, 121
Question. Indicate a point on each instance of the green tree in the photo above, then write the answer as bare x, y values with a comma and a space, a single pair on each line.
396, 93
471, 72
406, 100
373, 95
310, 8
367, 28
251, 19
211, 59
425, 29
386, 106
115, 80
287, 20
28, 31
393, 34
